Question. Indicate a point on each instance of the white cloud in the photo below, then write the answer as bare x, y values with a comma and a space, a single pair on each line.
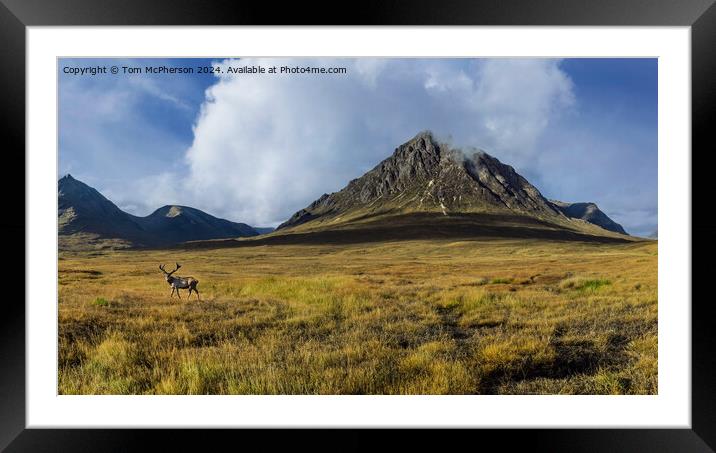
267, 145
111, 140
157, 190
517, 99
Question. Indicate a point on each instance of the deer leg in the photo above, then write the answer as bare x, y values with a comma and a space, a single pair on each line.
172, 295
178, 294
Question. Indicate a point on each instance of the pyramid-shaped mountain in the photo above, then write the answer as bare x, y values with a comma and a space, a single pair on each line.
427, 178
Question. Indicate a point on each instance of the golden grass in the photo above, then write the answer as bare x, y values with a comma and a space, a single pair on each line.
412, 317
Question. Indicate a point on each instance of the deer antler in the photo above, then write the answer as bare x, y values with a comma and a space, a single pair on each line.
178, 266
161, 266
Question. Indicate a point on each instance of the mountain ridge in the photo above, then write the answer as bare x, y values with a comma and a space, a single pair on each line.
88, 215
589, 212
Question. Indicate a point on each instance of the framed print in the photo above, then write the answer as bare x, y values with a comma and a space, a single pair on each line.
396, 224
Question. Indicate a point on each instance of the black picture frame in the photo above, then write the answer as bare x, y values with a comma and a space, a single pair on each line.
16, 15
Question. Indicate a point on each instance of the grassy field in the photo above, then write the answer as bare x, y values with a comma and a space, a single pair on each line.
408, 317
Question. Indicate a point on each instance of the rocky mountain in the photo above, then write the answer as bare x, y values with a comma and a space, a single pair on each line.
82, 209
85, 213
424, 176
589, 212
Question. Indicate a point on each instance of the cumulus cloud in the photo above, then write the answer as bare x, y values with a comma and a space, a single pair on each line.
256, 148
266, 145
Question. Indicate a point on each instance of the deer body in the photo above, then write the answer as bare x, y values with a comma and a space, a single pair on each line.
178, 283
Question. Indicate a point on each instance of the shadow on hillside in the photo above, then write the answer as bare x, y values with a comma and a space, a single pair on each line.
423, 226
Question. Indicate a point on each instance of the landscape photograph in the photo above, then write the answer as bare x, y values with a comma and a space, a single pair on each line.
362, 226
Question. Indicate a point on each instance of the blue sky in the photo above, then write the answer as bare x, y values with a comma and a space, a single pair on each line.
256, 148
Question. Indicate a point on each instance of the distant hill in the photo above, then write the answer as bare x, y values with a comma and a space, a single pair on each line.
87, 219
264, 230
589, 212
427, 178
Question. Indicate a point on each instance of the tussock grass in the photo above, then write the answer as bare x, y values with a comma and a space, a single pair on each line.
101, 302
586, 284
412, 317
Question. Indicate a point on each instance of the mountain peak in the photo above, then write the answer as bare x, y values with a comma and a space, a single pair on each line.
424, 176
70, 187
426, 136
423, 143
169, 210
174, 211
68, 180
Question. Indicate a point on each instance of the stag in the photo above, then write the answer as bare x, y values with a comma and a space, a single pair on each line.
178, 283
